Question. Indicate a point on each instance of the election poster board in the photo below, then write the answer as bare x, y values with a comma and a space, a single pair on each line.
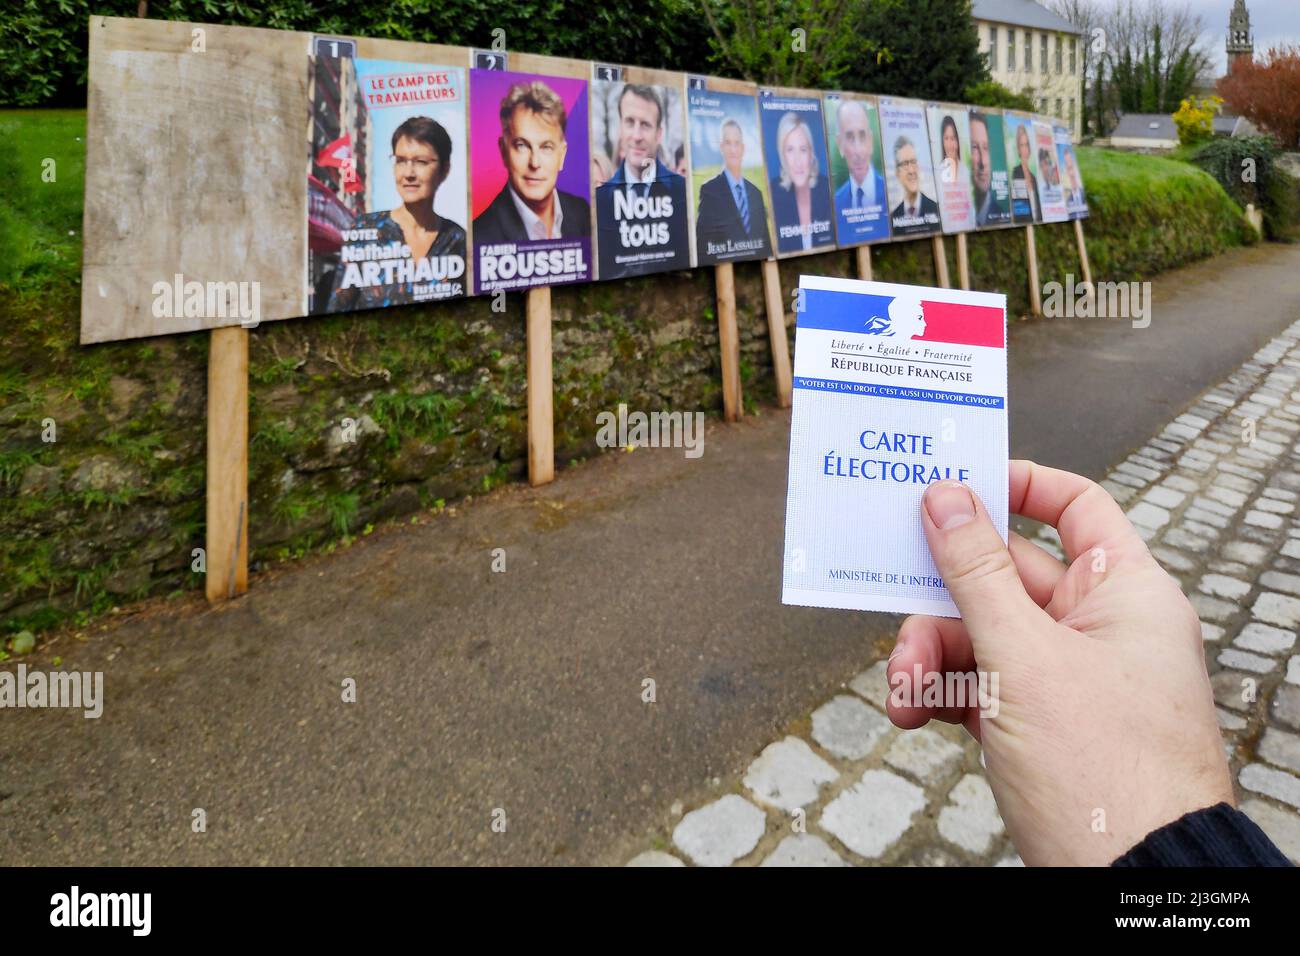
729, 189
639, 171
909, 174
1050, 195
387, 185
254, 246
530, 179
950, 144
794, 145
1076, 200
990, 178
857, 170
1021, 155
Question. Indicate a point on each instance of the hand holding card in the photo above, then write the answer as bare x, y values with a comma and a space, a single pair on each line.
896, 387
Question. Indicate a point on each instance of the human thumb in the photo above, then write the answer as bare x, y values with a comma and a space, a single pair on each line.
976, 566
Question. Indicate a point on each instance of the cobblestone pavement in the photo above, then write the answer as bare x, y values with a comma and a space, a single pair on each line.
1214, 494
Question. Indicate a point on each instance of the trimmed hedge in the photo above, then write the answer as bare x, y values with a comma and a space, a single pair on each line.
1248, 170
112, 510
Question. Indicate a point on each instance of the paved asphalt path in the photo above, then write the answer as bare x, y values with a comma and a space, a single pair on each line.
522, 691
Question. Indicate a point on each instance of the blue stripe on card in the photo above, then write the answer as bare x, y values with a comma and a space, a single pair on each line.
907, 392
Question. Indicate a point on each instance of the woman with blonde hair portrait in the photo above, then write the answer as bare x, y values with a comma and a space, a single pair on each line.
801, 201
1024, 185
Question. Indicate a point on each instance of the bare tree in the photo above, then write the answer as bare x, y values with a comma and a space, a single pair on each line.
1142, 56
1158, 54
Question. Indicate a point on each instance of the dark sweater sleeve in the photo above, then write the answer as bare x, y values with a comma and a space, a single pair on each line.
1214, 836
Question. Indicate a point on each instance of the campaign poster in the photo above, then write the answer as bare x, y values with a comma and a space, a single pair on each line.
909, 175
990, 179
950, 144
794, 143
387, 185
639, 171
728, 180
1025, 207
1050, 195
530, 180
1076, 202
857, 169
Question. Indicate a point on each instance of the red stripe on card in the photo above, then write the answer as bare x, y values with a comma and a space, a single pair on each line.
959, 324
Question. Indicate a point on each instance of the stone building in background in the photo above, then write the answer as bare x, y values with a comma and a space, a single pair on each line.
1034, 51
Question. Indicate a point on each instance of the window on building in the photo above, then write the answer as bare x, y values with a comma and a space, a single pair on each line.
1071, 113
1059, 57
1059, 111
993, 48
1073, 47
1042, 52
1011, 51
1042, 104
1029, 52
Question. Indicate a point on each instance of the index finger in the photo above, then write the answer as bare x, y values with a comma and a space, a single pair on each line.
1079, 508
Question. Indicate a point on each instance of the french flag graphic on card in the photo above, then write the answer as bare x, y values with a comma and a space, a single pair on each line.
895, 387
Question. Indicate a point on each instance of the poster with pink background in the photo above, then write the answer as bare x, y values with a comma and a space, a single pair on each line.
530, 208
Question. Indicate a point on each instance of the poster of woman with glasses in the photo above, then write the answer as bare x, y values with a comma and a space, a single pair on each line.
388, 192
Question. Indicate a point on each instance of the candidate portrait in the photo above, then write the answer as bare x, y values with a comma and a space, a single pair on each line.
533, 146
641, 206
988, 209
917, 212
801, 203
421, 158
1074, 197
1024, 184
860, 199
731, 210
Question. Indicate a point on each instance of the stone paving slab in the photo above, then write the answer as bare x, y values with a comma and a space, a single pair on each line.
1214, 494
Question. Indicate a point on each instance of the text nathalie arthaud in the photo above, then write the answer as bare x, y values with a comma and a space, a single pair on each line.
835, 465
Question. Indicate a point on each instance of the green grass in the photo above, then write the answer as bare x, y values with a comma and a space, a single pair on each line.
1133, 175
40, 222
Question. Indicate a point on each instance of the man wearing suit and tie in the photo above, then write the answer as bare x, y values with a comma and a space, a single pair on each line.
732, 219
917, 213
529, 207
860, 200
641, 209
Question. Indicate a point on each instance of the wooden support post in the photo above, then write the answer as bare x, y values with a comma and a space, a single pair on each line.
541, 434
1035, 293
864, 262
776, 331
226, 544
1083, 256
963, 263
728, 341
940, 261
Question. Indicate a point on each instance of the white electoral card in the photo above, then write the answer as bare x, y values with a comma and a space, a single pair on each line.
895, 387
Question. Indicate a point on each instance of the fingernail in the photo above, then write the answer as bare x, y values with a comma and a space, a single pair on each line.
950, 504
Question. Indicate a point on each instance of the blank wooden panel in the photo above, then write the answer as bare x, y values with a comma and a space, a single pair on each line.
196, 163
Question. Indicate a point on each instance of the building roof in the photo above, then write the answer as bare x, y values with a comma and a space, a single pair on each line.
1022, 13
1146, 126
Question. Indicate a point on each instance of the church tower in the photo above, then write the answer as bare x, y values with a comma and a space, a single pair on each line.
1241, 45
